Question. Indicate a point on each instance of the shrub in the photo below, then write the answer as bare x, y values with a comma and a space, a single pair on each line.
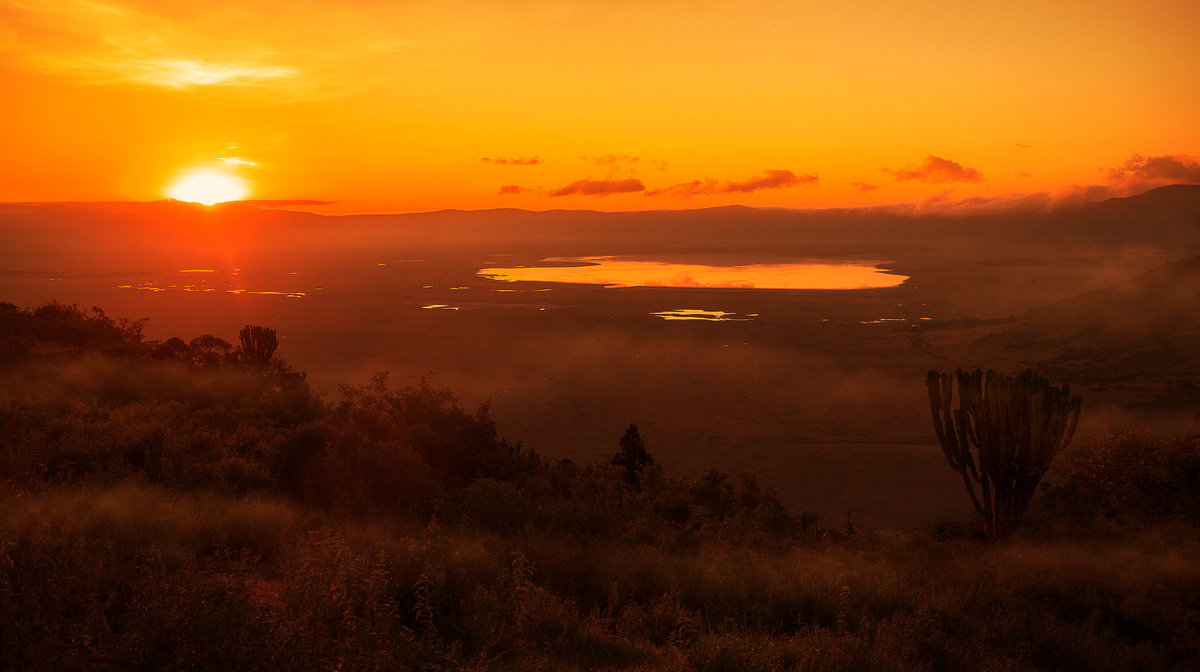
1135, 475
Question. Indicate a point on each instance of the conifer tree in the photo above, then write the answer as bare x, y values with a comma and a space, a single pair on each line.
632, 457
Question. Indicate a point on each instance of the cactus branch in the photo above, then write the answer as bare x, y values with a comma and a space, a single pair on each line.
1002, 437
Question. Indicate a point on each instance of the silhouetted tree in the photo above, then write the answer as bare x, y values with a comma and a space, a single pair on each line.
1003, 436
258, 344
632, 457
173, 348
209, 350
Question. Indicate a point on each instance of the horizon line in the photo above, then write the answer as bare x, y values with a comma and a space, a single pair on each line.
280, 205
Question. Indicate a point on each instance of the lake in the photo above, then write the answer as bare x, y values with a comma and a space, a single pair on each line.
618, 272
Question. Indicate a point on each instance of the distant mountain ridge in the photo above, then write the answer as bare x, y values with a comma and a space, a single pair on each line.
1166, 218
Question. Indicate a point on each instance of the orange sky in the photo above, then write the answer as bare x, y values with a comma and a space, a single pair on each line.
602, 104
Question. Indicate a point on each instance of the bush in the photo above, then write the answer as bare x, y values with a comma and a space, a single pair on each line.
1134, 475
493, 505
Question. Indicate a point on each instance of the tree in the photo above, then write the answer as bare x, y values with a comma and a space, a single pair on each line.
632, 457
1002, 437
258, 344
209, 350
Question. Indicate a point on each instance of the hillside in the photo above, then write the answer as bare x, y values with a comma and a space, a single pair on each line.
192, 505
1166, 217
1148, 326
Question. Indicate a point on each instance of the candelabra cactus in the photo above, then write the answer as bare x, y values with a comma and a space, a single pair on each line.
258, 344
1002, 437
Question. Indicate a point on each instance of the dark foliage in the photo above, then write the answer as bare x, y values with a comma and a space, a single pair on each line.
632, 457
55, 328
167, 506
1132, 476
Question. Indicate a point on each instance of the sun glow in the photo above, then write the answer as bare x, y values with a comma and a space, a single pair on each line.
208, 186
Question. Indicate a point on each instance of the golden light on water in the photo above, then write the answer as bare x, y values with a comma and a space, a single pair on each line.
208, 187
613, 272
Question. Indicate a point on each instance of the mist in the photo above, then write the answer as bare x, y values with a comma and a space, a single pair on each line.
820, 392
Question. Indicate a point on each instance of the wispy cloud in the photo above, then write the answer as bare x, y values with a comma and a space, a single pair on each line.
623, 166
276, 202
112, 41
943, 203
188, 73
936, 170
688, 189
613, 159
516, 161
772, 179
864, 187
600, 187
509, 189
164, 45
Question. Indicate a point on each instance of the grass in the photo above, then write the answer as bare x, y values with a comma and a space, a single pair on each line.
161, 514
146, 577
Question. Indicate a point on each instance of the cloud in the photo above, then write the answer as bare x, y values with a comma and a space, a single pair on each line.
941, 203
613, 159
236, 161
1157, 170
936, 170
274, 202
864, 187
773, 179
600, 187
514, 189
1023, 145
1079, 194
1136, 176
107, 41
517, 161
1022, 173
230, 49
687, 189
938, 201
189, 73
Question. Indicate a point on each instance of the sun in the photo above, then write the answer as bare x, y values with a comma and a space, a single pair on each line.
208, 186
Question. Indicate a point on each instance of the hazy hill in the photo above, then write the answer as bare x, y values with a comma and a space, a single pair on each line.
1164, 217
1146, 326
1168, 217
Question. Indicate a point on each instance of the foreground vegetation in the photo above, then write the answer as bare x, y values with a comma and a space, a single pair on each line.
195, 506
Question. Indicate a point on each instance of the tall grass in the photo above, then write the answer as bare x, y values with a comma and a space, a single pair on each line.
163, 514
139, 576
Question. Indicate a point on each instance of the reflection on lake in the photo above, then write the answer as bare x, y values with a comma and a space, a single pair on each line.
210, 280
613, 272
706, 315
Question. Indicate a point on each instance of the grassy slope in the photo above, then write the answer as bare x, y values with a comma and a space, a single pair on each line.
171, 510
